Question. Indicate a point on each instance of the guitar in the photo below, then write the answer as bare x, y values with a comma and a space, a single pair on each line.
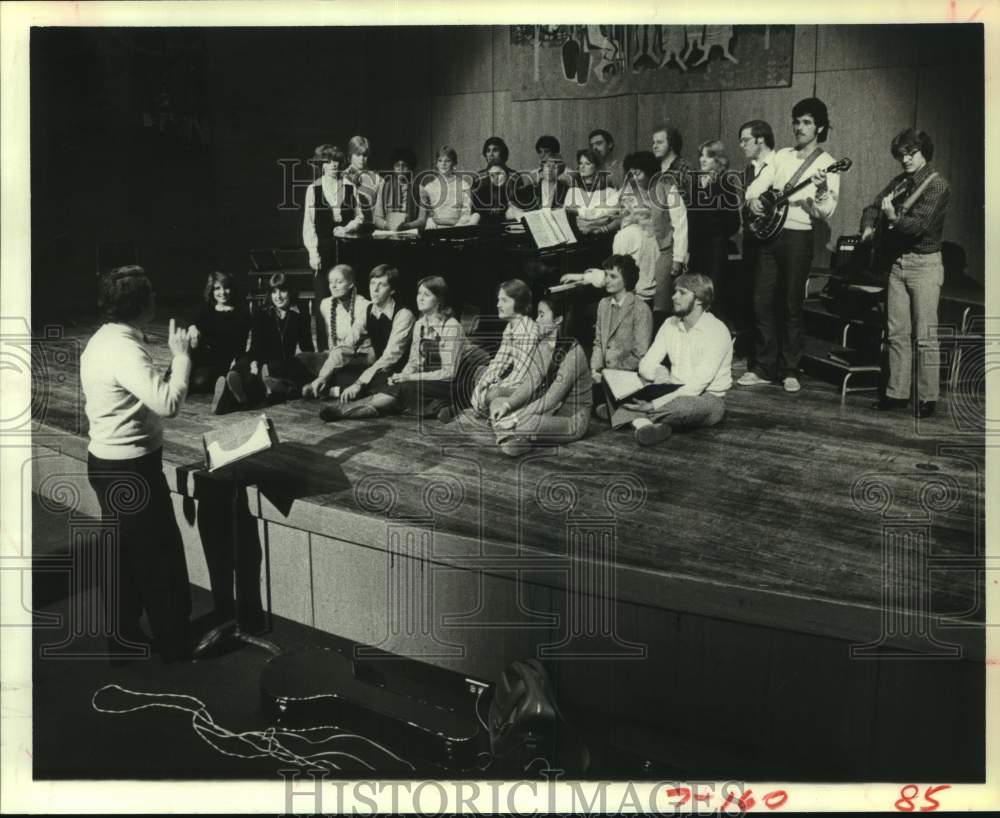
775, 204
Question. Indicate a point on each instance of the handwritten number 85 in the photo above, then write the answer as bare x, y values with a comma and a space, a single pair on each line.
910, 791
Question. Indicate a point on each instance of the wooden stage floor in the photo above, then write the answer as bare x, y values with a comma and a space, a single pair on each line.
777, 516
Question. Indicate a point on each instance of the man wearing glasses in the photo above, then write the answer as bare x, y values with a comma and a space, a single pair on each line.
913, 207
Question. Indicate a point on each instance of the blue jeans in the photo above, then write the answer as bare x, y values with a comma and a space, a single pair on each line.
914, 289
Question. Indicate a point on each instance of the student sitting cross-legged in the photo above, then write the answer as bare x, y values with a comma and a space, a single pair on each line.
270, 370
388, 326
510, 365
218, 335
554, 408
344, 313
426, 385
700, 352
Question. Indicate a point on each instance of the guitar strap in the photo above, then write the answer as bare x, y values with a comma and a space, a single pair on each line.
806, 164
912, 198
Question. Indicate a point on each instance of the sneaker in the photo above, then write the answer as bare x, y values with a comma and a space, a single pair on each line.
235, 384
653, 433
447, 414
219, 396
791, 384
751, 379
601, 412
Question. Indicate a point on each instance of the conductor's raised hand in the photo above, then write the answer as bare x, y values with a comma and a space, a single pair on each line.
178, 340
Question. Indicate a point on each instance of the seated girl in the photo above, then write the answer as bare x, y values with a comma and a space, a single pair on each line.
270, 370
624, 326
510, 366
389, 326
591, 197
446, 200
556, 409
343, 313
218, 335
426, 385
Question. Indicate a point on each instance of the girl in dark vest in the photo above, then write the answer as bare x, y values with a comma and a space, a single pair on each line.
332, 209
389, 327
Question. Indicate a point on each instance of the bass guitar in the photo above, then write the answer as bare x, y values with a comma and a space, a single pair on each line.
775, 203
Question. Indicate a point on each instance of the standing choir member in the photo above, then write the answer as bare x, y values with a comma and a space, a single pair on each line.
713, 217
397, 205
510, 365
603, 144
446, 200
591, 198
557, 408
333, 208
546, 191
366, 182
126, 400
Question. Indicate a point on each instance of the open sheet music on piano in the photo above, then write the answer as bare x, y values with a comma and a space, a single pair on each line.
549, 228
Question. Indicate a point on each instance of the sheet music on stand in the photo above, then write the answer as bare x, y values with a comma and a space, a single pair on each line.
549, 228
238, 441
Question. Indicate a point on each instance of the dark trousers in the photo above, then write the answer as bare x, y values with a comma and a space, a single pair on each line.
148, 567
779, 290
710, 256
204, 376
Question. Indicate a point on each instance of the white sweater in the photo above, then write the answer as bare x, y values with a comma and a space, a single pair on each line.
126, 396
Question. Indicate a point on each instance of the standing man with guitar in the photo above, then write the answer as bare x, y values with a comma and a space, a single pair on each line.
783, 261
907, 218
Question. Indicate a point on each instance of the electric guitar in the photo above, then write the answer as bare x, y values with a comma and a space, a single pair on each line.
775, 204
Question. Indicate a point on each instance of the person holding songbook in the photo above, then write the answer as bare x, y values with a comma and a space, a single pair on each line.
624, 325
691, 360
554, 408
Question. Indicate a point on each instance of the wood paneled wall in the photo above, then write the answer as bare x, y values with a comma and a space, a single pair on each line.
876, 80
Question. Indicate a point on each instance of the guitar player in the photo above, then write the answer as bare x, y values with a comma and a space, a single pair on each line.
782, 263
910, 211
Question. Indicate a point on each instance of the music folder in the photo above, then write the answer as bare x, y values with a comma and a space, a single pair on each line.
238, 441
622, 386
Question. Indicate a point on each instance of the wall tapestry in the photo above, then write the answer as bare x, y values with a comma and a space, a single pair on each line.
572, 62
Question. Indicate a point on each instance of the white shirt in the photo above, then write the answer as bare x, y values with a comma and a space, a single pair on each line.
701, 358
803, 207
333, 190
126, 396
763, 176
349, 333
592, 204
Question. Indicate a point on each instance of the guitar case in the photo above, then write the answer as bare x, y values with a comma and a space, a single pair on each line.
421, 712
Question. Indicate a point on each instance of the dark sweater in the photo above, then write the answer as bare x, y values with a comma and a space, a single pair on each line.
223, 336
276, 339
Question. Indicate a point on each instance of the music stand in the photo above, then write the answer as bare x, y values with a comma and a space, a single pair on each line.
224, 451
